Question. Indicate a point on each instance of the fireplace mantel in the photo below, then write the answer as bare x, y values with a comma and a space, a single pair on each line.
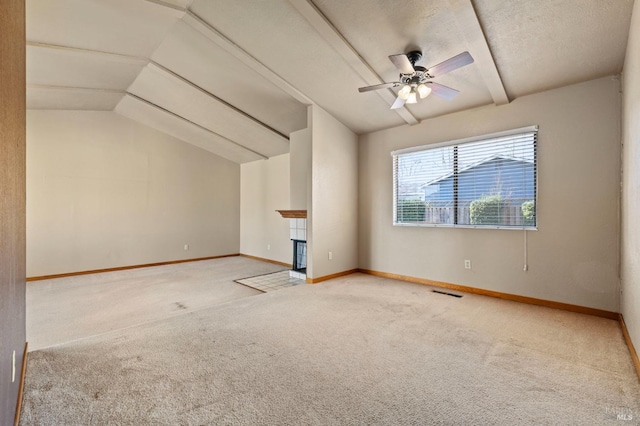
293, 214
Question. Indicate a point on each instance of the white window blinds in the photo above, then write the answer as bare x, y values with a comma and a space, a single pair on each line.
488, 181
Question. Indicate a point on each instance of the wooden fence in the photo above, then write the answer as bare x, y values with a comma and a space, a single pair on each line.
509, 215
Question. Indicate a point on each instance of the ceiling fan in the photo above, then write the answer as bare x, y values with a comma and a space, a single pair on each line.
416, 80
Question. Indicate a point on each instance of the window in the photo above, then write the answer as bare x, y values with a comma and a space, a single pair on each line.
488, 181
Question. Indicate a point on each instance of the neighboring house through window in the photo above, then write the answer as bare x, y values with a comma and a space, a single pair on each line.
488, 181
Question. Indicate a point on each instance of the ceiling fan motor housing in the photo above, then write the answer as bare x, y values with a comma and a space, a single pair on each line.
414, 56
419, 76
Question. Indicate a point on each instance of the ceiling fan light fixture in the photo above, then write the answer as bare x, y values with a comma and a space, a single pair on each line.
424, 90
404, 92
416, 80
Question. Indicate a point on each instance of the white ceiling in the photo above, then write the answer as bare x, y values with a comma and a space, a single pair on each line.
234, 77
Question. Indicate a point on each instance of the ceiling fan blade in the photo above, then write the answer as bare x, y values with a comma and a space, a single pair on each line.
378, 86
399, 103
451, 64
442, 91
402, 63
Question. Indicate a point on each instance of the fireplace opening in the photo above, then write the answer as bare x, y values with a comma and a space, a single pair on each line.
299, 256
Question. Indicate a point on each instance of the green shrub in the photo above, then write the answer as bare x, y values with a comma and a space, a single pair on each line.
410, 211
486, 210
529, 212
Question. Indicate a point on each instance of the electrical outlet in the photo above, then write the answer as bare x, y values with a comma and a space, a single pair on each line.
186, 246
330, 255
13, 368
268, 246
467, 264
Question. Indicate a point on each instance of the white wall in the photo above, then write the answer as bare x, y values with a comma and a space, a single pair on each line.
104, 191
264, 189
332, 222
630, 263
300, 168
573, 257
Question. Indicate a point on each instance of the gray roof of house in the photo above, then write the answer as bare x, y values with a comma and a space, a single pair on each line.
476, 164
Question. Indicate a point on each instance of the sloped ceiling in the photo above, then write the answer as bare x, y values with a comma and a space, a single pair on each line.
235, 77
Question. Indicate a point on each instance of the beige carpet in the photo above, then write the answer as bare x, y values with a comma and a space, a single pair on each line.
65, 309
355, 350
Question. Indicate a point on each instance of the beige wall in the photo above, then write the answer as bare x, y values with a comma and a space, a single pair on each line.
572, 258
332, 222
300, 169
104, 191
264, 189
630, 264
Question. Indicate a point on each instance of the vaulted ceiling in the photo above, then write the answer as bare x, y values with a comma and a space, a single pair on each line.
234, 77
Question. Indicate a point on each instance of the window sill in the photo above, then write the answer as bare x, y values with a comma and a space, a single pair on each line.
444, 225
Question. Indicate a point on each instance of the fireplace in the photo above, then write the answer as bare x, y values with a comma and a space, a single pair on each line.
299, 256
298, 236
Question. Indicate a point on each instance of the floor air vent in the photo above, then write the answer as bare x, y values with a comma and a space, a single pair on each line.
448, 294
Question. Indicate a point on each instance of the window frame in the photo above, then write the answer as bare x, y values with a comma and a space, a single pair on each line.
456, 143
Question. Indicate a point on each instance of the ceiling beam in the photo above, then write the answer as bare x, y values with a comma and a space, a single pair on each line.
336, 40
158, 78
470, 26
114, 57
209, 131
229, 46
75, 89
178, 10
222, 101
